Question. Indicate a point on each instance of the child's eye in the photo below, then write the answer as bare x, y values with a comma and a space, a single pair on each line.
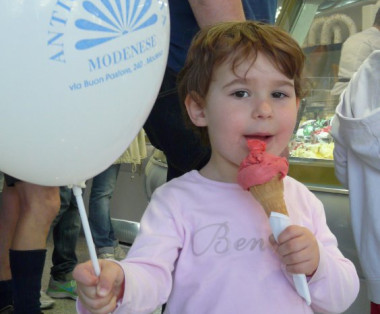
240, 94
278, 95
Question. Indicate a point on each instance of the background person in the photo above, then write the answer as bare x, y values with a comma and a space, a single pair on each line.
356, 133
354, 51
26, 213
165, 125
65, 229
103, 186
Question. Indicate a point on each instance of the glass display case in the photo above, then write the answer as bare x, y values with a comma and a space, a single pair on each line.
329, 24
311, 147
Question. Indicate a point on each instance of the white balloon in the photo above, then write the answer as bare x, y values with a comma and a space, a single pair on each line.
78, 80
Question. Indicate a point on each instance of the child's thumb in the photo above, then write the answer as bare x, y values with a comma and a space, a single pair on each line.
273, 242
104, 287
107, 279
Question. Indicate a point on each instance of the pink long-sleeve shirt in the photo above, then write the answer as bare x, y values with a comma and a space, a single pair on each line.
203, 248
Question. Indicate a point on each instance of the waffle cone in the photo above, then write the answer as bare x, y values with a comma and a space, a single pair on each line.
271, 195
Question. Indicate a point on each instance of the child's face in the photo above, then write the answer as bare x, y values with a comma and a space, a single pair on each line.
260, 103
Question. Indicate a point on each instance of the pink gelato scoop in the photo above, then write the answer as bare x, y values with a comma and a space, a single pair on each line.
259, 166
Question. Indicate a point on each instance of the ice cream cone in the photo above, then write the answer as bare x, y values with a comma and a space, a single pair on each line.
262, 174
271, 195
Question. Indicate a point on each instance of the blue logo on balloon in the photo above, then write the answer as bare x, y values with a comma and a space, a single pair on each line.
116, 19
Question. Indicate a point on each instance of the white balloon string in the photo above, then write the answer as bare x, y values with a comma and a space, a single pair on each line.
86, 228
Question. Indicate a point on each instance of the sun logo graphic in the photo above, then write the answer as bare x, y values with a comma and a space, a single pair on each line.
112, 19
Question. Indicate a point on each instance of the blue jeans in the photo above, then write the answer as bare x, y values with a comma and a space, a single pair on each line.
167, 131
66, 227
99, 216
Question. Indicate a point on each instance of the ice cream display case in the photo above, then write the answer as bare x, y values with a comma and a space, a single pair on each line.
314, 172
311, 148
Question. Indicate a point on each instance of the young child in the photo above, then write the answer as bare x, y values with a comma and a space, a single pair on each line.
205, 244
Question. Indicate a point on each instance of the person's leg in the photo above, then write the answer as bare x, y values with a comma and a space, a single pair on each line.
99, 217
65, 236
38, 207
66, 228
9, 213
167, 131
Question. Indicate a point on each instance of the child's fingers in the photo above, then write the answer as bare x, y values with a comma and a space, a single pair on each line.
273, 242
84, 273
87, 295
292, 249
97, 305
298, 250
305, 267
94, 302
289, 233
110, 279
108, 307
99, 294
296, 258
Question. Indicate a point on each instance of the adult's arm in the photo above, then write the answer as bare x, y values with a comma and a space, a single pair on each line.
208, 12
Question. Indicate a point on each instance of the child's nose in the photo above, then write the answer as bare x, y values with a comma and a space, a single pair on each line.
262, 110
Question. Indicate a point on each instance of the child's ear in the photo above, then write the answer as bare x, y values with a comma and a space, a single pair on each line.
195, 109
298, 100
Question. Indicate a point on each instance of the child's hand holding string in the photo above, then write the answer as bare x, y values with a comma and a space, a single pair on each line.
100, 294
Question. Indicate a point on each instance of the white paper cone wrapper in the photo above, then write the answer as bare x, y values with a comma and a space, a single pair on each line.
278, 223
